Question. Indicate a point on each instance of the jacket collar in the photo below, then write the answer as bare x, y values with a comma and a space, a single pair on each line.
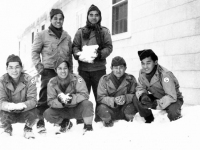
123, 84
20, 86
154, 79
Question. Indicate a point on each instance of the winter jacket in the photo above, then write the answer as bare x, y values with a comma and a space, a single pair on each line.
77, 88
25, 91
50, 47
106, 91
79, 42
163, 85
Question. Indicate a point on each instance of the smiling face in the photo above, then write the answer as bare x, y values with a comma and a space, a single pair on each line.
57, 20
93, 17
148, 64
14, 70
62, 70
118, 71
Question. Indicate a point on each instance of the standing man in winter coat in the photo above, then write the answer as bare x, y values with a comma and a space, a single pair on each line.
85, 40
18, 95
68, 98
50, 44
158, 88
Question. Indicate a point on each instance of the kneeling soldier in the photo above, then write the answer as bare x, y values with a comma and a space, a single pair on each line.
68, 98
115, 94
18, 95
158, 88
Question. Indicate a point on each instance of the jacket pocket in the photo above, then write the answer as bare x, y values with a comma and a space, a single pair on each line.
53, 48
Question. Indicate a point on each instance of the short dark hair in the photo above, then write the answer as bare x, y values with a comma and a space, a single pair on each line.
147, 53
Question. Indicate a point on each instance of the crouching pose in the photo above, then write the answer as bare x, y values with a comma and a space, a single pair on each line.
18, 95
68, 98
115, 94
158, 88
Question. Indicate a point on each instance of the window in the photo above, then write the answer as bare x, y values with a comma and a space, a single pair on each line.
80, 18
119, 16
32, 37
43, 27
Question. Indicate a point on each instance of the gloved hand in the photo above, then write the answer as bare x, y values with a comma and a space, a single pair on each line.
120, 100
144, 99
64, 98
40, 68
147, 101
16, 108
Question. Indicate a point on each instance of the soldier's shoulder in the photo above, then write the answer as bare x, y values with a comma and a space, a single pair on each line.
105, 29
106, 77
3, 77
53, 81
77, 78
130, 77
28, 78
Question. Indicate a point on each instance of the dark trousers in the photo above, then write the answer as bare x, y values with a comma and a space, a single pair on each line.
143, 111
107, 113
29, 117
46, 75
173, 110
82, 110
92, 80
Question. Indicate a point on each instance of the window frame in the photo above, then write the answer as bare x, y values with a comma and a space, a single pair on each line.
123, 35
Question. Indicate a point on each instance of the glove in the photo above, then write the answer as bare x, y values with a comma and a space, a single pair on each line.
147, 101
144, 99
64, 98
120, 100
16, 108
40, 68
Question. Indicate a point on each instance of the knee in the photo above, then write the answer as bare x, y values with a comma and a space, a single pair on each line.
32, 113
87, 104
103, 111
130, 110
174, 113
48, 115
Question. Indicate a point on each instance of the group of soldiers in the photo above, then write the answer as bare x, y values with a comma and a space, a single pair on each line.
64, 95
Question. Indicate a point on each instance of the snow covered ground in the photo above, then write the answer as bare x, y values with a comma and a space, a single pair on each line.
183, 134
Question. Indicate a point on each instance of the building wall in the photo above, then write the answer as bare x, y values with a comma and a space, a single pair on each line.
169, 27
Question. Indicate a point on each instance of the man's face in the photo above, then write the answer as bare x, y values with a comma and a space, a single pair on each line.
57, 21
62, 70
148, 64
14, 69
93, 17
118, 71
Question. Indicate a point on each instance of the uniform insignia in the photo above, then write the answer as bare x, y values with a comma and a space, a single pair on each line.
33, 81
79, 80
166, 79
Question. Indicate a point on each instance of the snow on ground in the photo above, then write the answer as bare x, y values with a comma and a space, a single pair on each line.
183, 134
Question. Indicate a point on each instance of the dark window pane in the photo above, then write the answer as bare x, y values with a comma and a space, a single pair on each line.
119, 24
43, 27
32, 37
116, 1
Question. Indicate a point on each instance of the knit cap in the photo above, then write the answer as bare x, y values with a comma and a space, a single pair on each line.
55, 12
